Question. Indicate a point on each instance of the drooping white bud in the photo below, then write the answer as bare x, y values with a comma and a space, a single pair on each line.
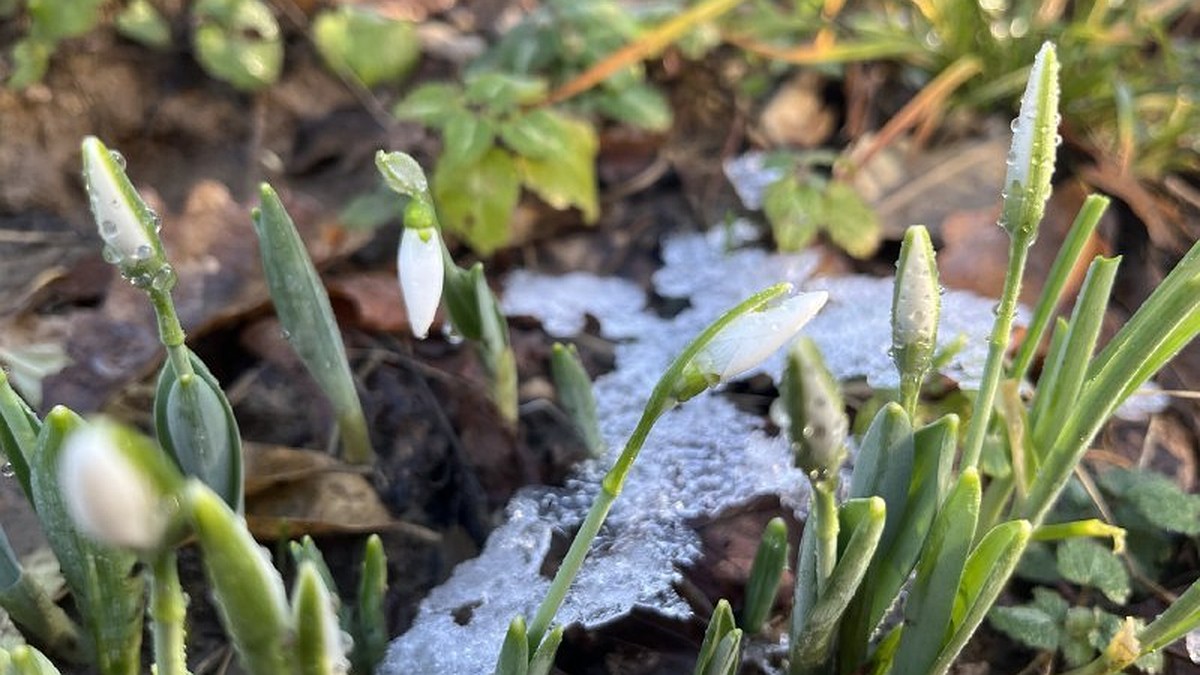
110, 499
421, 271
120, 214
754, 336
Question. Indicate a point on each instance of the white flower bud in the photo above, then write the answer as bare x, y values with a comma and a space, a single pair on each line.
752, 337
421, 275
1034, 145
120, 214
110, 499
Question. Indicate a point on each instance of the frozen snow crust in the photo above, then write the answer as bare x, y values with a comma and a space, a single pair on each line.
702, 457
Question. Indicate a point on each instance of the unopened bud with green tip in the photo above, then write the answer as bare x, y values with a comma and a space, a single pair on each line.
916, 308
1034, 146
127, 225
118, 488
815, 416
748, 340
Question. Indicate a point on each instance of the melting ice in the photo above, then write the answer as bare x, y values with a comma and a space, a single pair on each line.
702, 457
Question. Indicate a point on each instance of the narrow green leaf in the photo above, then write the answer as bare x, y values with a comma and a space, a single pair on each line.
575, 395
194, 423
514, 653
32, 609
370, 625
109, 596
930, 604
1090, 563
238, 41
1053, 363
477, 201
770, 560
934, 448
720, 624
373, 48
1056, 280
812, 645
19, 429
884, 466
308, 322
247, 589
543, 658
985, 575
318, 635
1083, 331
727, 657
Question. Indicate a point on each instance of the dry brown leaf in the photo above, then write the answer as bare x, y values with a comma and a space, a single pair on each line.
375, 299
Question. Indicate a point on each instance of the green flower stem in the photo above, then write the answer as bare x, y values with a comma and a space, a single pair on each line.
662, 398
997, 346
1180, 617
1092, 527
170, 332
825, 512
168, 610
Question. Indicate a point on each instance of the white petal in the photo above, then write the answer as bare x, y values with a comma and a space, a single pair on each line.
116, 218
107, 497
753, 337
421, 275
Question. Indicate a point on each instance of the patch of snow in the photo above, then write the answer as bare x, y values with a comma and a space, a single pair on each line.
701, 457
750, 177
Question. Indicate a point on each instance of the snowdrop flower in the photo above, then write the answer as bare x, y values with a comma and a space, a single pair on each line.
812, 408
126, 224
421, 274
109, 498
747, 341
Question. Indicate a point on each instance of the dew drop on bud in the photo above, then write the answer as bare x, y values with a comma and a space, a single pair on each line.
108, 228
118, 158
7, 470
164, 279
111, 256
143, 252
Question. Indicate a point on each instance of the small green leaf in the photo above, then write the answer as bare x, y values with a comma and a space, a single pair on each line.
307, 319
1028, 625
431, 104
141, 22
365, 44
567, 177
538, 134
477, 201
1157, 498
640, 105
1090, 563
238, 41
53, 20
793, 209
500, 92
465, 137
850, 223
30, 59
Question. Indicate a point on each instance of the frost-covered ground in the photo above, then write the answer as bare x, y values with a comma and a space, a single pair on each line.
702, 457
